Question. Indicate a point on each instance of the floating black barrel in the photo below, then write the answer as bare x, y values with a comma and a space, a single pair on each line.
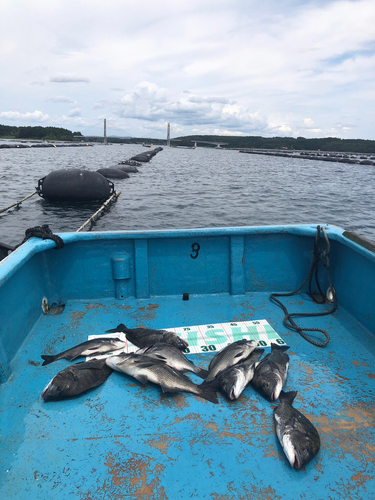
127, 168
113, 173
74, 185
133, 163
142, 157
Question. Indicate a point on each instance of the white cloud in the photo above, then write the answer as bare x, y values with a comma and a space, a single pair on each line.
61, 98
68, 78
75, 112
36, 116
241, 67
308, 122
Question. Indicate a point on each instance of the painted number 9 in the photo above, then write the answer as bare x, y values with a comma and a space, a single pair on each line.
195, 248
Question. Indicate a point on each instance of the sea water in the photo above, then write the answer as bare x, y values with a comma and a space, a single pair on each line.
190, 188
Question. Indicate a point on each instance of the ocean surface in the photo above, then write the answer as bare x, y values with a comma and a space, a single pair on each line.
190, 188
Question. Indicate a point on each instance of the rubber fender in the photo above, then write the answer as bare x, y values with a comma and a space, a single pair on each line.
113, 173
127, 168
133, 163
74, 185
142, 157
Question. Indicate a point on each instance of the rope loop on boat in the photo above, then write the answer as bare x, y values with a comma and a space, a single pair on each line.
321, 255
45, 233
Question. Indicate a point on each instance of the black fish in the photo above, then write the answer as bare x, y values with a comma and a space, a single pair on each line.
270, 374
144, 337
99, 345
234, 379
230, 355
145, 369
173, 357
76, 379
297, 435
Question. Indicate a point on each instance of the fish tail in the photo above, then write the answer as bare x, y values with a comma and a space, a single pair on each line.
288, 396
47, 359
209, 394
277, 347
120, 328
201, 372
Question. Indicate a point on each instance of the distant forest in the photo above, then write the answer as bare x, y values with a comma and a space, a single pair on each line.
290, 143
37, 133
231, 142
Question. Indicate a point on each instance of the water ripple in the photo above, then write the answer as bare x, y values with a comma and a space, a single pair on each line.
191, 188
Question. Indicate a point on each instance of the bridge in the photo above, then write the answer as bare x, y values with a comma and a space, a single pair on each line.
217, 144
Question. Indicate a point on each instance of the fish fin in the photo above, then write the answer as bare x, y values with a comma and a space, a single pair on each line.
120, 328
92, 364
71, 357
145, 349
258, 351
201, 372
141, 378
288, 396
164, 388
160, 357
212, 385
209, 393
47, 359
277, 347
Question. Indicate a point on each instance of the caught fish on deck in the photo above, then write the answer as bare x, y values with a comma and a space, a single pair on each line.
270, 374
229, 356
297, 435
76, 379
145, 369
173, 357
234, 379
144, 337
99, 345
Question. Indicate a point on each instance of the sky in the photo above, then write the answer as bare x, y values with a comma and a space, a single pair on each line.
225, 67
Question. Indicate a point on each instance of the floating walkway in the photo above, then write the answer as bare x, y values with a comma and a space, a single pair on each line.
354, 158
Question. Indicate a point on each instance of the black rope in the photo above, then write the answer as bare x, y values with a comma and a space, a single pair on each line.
320, 256
45, 233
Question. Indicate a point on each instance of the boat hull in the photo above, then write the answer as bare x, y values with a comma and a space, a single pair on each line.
127, 440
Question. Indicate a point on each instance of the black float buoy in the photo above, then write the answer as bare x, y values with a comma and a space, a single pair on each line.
113, 173
74, 185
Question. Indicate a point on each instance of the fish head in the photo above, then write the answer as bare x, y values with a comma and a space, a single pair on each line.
299, 447
232, 382
173, 339
54, 389
271, 385
181, 344
304, 452
117, 344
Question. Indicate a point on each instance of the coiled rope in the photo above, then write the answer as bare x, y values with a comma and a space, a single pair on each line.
321, 255
43, 232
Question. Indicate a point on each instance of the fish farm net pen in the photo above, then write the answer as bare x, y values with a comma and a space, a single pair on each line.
113, 197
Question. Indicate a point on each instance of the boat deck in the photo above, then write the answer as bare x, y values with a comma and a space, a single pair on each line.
125, 440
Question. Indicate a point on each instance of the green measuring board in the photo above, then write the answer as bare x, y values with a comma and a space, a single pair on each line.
212, 338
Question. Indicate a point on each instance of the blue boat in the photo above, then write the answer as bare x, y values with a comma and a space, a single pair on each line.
128, 440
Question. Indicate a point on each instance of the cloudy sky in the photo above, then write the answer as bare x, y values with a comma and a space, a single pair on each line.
228, 67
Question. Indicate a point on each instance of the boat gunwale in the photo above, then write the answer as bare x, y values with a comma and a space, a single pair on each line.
22, 254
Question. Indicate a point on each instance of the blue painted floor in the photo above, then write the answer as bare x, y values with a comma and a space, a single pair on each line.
125, 440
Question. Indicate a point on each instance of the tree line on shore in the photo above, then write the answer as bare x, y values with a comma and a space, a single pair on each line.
289, 143
37, 133
231, 142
